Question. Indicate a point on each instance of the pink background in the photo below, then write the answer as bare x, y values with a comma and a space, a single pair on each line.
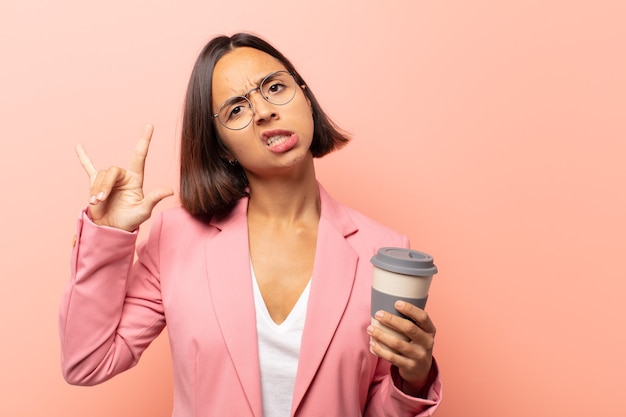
493, 133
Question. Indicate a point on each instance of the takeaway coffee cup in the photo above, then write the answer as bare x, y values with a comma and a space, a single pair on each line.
400, 274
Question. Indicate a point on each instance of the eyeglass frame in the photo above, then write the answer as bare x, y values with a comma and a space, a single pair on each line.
245, 97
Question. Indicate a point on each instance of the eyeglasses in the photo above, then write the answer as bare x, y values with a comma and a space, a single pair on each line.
277, 88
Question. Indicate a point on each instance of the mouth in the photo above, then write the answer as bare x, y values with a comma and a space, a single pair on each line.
276, 137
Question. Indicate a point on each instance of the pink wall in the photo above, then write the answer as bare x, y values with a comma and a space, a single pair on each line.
492, 132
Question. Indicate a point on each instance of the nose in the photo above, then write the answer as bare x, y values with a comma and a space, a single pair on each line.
263, 109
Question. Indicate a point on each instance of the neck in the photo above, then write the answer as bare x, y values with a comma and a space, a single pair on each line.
285, 199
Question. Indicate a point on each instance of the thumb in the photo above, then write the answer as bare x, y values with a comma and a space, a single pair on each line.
154, 197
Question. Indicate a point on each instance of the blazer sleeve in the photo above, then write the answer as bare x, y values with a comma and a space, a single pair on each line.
111, 309
389, 401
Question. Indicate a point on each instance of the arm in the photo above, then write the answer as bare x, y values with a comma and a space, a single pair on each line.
110, 311
104, 327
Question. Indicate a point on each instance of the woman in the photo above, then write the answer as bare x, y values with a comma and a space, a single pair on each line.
262, 278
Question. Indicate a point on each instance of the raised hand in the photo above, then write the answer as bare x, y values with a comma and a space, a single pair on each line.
116, 195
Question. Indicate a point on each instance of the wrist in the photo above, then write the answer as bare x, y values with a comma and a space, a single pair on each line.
420, 387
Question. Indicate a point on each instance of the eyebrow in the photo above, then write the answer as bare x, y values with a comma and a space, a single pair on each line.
231, 101
258, 83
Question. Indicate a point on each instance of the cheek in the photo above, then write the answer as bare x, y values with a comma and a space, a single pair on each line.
228, 146
240, 143
311, 124
306, 113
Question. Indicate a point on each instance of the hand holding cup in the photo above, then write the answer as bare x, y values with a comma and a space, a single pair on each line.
401, 332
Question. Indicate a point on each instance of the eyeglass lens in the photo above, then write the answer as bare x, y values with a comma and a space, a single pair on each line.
277, 88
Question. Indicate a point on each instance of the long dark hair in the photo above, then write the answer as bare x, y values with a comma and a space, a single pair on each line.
209, 184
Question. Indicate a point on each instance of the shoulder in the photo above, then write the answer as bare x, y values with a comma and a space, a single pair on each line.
177, 221
357, 226
370, 228
177, 215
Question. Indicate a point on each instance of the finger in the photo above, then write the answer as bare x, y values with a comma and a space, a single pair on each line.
399, 360
155, 196
104, 183
400, 352
404, 326
138, 162
85, 161
95, 193
387, 342
383, 351
419, 316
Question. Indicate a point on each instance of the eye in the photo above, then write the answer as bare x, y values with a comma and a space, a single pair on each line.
275, 87
234, 108
277, 83
234, 112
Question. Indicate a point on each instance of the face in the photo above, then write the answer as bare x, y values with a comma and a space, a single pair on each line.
279, 136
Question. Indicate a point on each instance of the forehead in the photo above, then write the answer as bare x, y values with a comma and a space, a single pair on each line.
241, 69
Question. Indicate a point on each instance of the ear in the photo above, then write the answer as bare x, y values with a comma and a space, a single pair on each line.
227, 157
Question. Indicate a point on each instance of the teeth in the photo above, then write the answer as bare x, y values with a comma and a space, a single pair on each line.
274, 140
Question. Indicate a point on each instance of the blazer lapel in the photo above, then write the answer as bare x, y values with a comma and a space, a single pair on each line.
333, 279
230, 283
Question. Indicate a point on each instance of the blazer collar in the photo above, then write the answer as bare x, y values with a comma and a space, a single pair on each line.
230, 282
336, 214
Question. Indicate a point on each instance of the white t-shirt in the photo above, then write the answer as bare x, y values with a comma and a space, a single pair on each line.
279, 350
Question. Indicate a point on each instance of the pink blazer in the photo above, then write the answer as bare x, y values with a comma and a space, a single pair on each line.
195, 277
